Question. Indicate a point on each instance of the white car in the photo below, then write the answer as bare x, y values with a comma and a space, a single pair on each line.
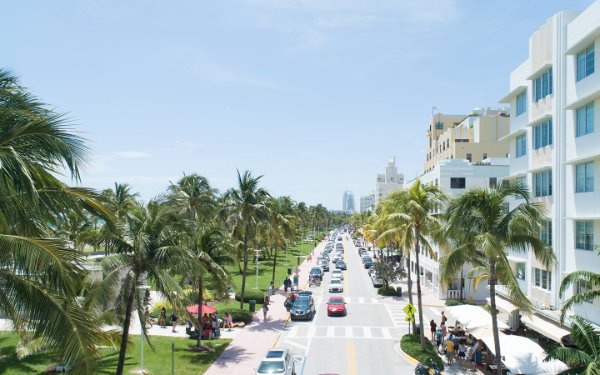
335, 285
337, 274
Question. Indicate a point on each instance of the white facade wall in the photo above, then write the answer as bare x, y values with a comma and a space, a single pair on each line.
388, 182
556, 44
367, 202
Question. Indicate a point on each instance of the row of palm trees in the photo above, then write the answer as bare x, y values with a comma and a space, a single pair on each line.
187, 235
475, 228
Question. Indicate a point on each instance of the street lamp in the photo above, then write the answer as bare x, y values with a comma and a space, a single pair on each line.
256, 254
143, 289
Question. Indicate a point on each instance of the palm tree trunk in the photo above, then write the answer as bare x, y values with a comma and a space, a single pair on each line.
275, 265
125, 334
493, 277
245, 270
200, 302
410, 297
419, 297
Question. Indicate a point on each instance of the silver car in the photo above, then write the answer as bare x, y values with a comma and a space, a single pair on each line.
277, 361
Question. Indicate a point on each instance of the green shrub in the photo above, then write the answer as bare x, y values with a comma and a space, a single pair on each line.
237, 315
389, 291
411, 345
453, 302
257, 295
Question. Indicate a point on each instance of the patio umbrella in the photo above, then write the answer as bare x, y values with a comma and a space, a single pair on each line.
205, 309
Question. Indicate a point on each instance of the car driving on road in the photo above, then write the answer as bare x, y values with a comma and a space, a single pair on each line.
340, 265
316, 272
336, 306
337, 274
303, 308
277, 361
335, 285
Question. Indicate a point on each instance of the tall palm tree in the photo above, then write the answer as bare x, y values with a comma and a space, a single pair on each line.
484, 228
245, 207
40, 274
585, 358
588, 278
144, 255
281, 226
194, 198
120, 201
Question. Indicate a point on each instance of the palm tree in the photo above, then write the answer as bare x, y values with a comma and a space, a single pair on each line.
120, 202
194, 198
281, 226
585, 358
588, 278
40, 274
245, 207
144, 255
483, 227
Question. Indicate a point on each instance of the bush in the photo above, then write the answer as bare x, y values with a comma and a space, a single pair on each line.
453, 302
237, 315
411, 345
389, 291
254, 294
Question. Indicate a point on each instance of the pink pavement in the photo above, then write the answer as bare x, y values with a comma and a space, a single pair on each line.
248, 348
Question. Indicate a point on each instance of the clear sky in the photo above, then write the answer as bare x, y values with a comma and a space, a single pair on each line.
316, 95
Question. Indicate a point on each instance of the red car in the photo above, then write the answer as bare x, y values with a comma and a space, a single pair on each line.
336, 306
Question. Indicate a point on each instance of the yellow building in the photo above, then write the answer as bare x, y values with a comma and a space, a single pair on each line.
473, 137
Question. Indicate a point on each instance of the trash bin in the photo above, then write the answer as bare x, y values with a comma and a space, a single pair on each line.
289, 271
252, 305
296, 281
399, 291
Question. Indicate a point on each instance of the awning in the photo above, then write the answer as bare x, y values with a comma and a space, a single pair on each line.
545, 327
523, 356
503, 304
472, 317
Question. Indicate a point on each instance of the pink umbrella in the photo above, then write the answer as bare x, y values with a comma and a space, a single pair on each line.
205, 309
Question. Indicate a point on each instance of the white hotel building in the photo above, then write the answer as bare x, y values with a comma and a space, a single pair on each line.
555, 150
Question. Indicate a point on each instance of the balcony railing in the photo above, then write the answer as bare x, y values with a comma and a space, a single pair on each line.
453, 294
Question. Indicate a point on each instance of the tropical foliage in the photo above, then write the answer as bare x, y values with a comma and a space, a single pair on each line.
585, 357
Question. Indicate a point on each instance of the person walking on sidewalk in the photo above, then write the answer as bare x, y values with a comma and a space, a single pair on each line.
173, 321
271, 289
444, 330
162, 321
433, 327
286, 283
265, 309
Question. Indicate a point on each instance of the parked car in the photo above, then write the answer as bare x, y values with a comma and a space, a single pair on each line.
277, 361
303, 308
368, 263
336, 306
377, 282
336, 285
340, 265
316, 272
338, 274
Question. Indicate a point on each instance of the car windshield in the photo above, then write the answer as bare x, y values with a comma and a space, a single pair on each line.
302, 304
271, 367
336, 301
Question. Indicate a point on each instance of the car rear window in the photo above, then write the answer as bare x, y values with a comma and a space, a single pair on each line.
275, 354
271, 367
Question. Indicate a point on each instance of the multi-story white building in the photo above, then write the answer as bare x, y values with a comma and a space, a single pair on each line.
555, 150
389, 181
348, 201
367, 202
454, 177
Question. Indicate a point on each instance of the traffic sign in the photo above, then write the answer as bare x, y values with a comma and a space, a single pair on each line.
409, 309
410, 318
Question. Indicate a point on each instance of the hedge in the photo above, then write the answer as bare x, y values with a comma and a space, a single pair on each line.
453, 302
411, 345
389, 291
237, 315
257, 295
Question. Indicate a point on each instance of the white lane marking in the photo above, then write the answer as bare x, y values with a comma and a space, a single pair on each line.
292, 333
311, 331
293, 343
330, 331
367, 332
361, 300
386, 333
348, 332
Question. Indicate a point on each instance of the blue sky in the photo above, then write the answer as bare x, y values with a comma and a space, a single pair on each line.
316, 95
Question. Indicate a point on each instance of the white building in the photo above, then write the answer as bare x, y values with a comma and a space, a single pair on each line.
454, 177
389, 181
367, 202
555, 150
348, 202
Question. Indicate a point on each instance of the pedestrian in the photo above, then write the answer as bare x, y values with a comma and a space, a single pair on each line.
174, 321
444, 318
286, 283
271, 289
265, 309
444, 330
450, 351
479, 355
162, 321
228, 321
462, 350
433, 327
438, 338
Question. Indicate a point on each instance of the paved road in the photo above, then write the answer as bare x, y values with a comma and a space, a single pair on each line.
363, 342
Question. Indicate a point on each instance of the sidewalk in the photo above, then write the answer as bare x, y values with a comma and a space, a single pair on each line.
249, 346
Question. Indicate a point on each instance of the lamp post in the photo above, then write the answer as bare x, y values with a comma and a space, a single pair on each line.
256, 254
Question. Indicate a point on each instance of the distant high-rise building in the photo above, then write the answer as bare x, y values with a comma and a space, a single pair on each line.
389, 181
367, 202
348, 202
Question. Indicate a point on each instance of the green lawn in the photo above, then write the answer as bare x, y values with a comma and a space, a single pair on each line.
158, 362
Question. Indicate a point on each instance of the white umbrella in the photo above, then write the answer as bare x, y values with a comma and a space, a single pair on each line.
473, 317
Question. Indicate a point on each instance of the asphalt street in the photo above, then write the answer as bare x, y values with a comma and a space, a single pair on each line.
363, 342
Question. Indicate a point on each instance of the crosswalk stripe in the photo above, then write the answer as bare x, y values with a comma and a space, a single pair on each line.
348, 332
386, 333
367, 332
293, 332
330, 331
311, 331
361, 300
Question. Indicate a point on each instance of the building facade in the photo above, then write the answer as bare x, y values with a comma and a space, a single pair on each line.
348, 201
389, 181
367, 202
555, 151
474, 137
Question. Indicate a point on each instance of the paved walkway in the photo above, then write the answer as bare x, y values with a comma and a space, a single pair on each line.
250, 345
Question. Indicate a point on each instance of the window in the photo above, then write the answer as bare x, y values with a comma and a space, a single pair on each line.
584, 120
543, 278
584, 177
585, 63
470, 157
520, 271
521, 103
493, 182
546, 232
584, 235
542, 85
583, 286
542, 183
542, 134
457, 182
521, 145
439, 125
